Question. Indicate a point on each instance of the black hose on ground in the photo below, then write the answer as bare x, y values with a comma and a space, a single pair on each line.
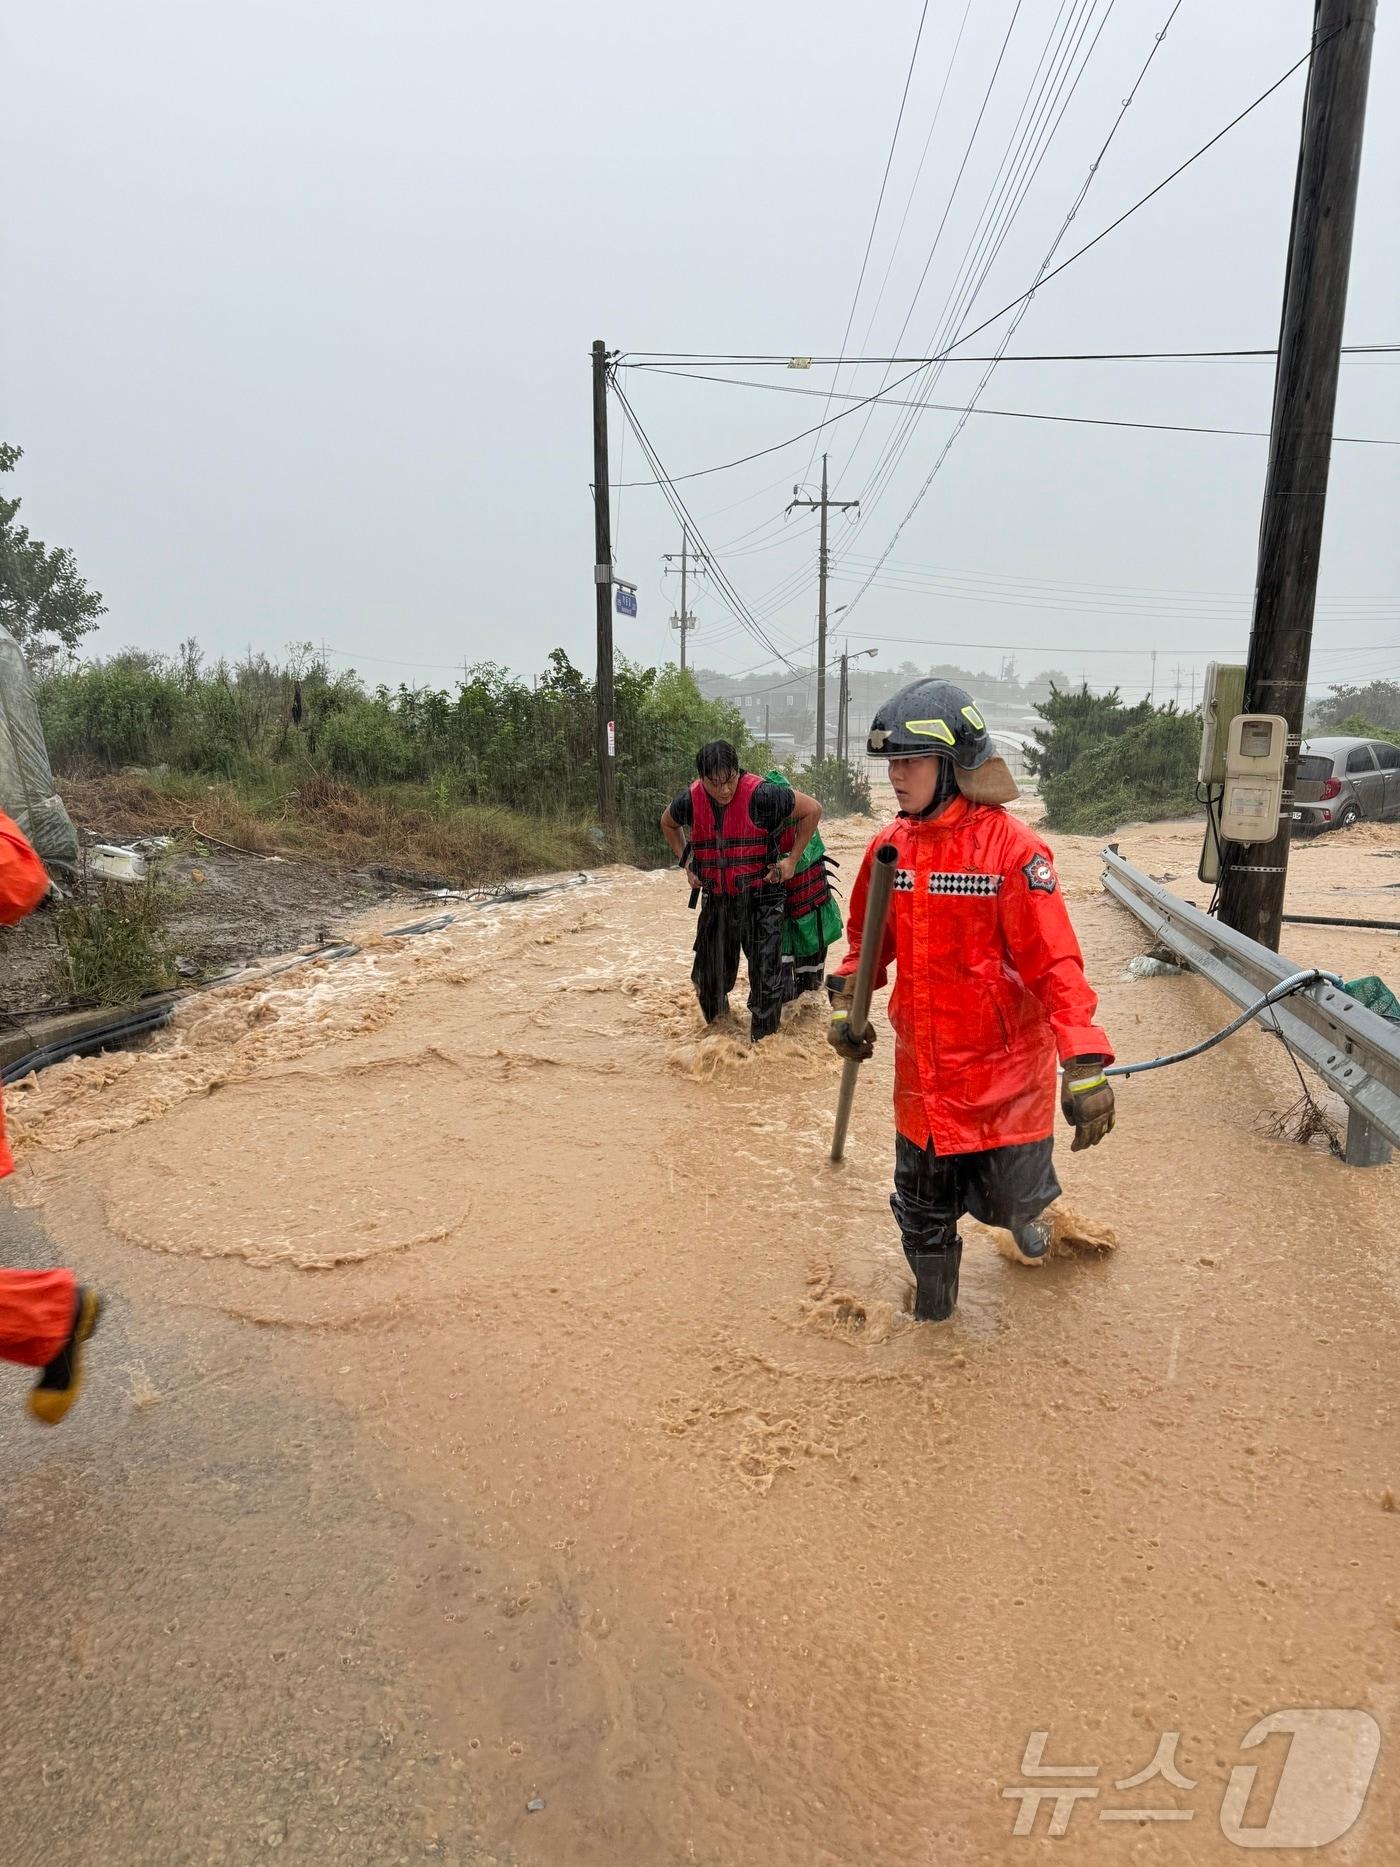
1334, 920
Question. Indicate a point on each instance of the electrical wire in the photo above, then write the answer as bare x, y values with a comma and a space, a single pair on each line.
1017, 414
914, 185
880, 202
962, 292
724, 360
1023, 304
1263, 97
1000, 356
1295, 982
720, 576
725, 466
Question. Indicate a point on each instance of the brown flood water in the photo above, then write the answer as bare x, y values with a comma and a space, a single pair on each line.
699, 1538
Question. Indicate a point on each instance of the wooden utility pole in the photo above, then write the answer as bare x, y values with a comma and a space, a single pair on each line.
824, 505
685, 622
603, 583
1300, 440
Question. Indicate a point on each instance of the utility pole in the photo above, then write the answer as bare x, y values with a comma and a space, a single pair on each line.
1300, 439
685, 621
1176, 690
823, 505
1193, 690
603, 582
767, 739
843, 706
1152, 690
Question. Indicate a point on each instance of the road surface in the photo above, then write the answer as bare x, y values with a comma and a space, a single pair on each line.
508, 1442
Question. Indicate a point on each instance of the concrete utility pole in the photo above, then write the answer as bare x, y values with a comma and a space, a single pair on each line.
603, 583
685, 621
1300, 440
824, 505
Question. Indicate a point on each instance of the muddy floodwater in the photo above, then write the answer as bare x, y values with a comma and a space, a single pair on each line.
591, 1417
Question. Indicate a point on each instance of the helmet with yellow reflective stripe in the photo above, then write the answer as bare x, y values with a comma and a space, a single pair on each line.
931, 716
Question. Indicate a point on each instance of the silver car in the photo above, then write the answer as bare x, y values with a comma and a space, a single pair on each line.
1341, 781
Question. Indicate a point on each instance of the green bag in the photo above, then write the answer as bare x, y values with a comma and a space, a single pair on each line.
807, 935
1375, 995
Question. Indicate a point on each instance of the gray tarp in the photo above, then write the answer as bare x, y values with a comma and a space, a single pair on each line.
26, 779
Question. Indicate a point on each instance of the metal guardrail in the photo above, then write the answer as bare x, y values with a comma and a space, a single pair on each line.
1353, 1050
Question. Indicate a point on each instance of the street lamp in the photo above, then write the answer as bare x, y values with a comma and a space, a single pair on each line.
843, 705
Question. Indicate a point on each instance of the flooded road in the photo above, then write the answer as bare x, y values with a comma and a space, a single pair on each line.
480, 1317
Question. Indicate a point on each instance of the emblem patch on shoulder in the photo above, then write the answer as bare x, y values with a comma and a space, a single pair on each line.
1040, 875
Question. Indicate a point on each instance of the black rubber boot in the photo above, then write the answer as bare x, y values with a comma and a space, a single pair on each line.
935, 1281
1032, 1240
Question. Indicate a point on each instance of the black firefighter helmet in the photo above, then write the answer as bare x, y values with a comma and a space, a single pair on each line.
932, 716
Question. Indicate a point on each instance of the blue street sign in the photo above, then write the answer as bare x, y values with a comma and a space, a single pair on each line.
627, 602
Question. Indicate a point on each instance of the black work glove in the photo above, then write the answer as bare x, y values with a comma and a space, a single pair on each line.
849, 1047
1086, 1098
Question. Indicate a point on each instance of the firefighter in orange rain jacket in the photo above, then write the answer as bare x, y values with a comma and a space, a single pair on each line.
989, 992
45, 1316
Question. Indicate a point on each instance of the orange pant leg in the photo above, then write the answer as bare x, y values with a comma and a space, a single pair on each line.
36, 1314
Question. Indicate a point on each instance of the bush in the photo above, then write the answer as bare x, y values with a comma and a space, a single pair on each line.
1075, 721
115, 946
836, 785
496, 743
1357, 726
1141, 776
120, 712
1377, 700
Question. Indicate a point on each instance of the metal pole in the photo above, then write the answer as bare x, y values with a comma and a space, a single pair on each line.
821, 626
1300, 441
877, 908
602, 578
684, 618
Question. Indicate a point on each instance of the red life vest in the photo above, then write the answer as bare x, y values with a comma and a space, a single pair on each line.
729, 850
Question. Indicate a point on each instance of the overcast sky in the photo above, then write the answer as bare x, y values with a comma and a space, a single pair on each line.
299, 300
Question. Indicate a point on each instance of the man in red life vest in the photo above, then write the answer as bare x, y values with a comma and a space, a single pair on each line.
45, 1316
735, 824
990, 990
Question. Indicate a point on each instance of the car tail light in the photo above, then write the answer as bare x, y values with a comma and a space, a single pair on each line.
1326, 816
1332, 788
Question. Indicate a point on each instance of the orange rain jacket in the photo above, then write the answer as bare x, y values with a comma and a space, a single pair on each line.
23, 885
989, 981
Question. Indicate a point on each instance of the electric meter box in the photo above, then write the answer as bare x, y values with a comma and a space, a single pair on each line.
1256, 748
1222, 700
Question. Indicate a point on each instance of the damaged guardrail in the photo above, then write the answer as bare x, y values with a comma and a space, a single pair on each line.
1355, 1052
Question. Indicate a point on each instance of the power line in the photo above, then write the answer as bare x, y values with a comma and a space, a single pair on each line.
1213, 649
1015, 174
678, 506
1024, 305
918, 175
1013, 414
880, 202
998, 357
1128, 213
732, 359
1016, 143
702, 473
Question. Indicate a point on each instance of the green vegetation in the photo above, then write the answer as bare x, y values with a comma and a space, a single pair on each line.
115, 946
44, 603
1357, 726
1101, 764
498, 776
837, 786
1347, 709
